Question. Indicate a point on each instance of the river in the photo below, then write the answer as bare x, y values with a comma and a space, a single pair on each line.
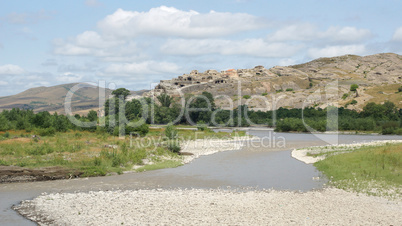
260, 164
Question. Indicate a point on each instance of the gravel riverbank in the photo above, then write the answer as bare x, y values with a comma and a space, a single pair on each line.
304, 154
210, 207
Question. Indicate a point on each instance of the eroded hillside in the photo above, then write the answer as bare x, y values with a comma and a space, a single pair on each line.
319, 83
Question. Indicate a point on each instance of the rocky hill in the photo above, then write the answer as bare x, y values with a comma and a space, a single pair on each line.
319, 83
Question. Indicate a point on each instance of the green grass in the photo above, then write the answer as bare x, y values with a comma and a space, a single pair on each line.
160, 165
372, 170
93, 153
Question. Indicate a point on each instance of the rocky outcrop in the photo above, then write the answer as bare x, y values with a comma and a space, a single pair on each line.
297, 86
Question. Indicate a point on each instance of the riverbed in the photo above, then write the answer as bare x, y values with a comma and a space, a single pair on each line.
262, 164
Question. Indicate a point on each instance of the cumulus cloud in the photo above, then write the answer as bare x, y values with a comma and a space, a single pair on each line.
69, 77
309, 32
287, 62
169, 21
249, 47
347, 34
331, 51
295, 32
90, 43
397, 35
142, 68
10, 69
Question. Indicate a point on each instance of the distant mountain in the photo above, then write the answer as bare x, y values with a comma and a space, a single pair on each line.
52, 99
379, 76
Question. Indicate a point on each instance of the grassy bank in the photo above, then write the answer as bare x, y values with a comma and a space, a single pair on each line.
375, 170
95, 154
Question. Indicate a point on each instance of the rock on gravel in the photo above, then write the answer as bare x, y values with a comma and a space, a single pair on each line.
211, 207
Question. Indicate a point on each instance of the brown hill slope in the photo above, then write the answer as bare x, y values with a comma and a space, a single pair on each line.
52, 99
319, 83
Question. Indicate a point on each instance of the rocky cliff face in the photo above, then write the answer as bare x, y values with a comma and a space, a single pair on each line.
319, 83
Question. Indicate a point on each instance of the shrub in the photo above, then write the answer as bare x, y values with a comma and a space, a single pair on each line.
390, 127
47, 132
310, 85
3, 163
174, 146
137, 156
201, 126
78, 135
400, 89
345, 95
142, 130
246, 96
289, 89
6, 135
264, 94
353, 87
353, 102
170, 131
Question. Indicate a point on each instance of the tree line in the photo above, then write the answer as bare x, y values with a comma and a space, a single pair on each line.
121, 114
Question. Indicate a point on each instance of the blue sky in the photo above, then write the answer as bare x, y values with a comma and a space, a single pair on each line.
135, 43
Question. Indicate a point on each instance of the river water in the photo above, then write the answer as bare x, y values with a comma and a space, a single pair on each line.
260, 164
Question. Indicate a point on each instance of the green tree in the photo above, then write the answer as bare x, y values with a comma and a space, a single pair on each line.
165, 100
133, 109
353, 87
390, 110
170, 132
60, 122
373, 110
4, 124
121, 92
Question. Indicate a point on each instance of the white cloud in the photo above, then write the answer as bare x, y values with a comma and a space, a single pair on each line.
3, 83
309, 32
346, 34
331, 51
169, 21
90, 43
142, 68
249, 47
295, 32
69, 77
10, 69
287, 62
397, 35
92, 39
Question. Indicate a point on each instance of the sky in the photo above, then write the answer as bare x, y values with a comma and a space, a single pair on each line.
133, 44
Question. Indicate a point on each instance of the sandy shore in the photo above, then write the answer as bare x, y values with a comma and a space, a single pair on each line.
302, 154
211, 207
